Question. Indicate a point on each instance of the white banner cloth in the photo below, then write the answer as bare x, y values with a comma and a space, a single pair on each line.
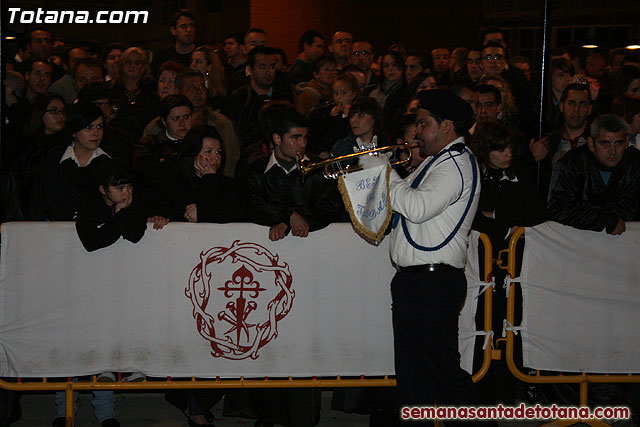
366, 198
299, 307
581, 298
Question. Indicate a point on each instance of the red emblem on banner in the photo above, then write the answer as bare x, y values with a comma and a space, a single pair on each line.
248, 291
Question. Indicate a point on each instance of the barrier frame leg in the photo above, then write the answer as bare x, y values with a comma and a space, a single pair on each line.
68, 405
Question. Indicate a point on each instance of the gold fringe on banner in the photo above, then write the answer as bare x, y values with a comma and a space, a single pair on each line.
364, 232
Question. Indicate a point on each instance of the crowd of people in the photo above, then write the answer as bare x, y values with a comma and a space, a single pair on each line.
116, 136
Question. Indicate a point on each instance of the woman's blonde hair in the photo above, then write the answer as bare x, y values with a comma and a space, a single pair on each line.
125, 55
216, 80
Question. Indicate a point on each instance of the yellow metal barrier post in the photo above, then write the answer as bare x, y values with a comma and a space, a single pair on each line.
582, 379
489, 352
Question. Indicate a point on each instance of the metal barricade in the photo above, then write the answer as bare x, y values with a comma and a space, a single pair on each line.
582, 379
157, 384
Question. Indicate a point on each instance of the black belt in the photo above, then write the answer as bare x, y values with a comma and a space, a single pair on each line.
424, 268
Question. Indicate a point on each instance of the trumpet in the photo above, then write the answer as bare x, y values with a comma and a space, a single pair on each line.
332, 168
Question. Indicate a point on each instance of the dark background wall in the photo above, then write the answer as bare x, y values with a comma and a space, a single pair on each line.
417, 23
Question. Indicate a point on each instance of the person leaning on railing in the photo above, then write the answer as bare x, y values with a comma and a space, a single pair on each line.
597, 186
508, 197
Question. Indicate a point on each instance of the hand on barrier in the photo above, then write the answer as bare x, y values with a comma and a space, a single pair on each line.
299, 226
191, 213
158, 222
277, 232
621, 227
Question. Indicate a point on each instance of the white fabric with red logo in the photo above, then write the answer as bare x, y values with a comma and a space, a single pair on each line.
581, 298
188, 301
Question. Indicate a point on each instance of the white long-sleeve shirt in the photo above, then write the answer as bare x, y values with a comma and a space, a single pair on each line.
433, 209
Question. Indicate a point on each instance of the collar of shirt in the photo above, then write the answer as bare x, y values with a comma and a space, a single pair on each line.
568, 143
274, 162
70, 154
363, 146
170, 138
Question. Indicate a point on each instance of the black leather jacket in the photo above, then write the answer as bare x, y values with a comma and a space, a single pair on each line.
580, 198
275, 195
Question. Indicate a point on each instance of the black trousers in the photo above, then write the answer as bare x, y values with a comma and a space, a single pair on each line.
425, 331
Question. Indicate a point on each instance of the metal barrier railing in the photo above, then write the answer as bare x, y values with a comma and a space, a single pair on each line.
583, 379
69, 386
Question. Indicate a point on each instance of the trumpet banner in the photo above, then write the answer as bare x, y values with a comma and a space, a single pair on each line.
366, 197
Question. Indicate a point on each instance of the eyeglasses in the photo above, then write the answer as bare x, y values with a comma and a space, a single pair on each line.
55, 111
493, 57
364, 53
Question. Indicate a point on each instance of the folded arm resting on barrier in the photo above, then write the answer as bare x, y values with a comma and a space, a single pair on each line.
579, 197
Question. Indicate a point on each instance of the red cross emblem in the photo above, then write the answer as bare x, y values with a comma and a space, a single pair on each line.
248, 290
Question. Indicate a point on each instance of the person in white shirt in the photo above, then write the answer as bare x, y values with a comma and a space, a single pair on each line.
433, 210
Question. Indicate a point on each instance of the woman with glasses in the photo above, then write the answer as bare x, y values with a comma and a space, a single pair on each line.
42, 132
134, 88
43, 129
65, 173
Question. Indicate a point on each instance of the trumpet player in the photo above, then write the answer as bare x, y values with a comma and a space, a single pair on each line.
434, 207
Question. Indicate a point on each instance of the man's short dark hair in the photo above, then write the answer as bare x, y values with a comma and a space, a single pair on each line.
255, 30
34, 29
492, 30
491, 89
268, 114
578, 87
67, 51
307, 38
258, 50
458, 85
492, 44
424, 59
237, 36
187, 74
321, 61
175, 16
281, 52
287, 119
87, 62
112, 46
172, 101
608, 123
31, 62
